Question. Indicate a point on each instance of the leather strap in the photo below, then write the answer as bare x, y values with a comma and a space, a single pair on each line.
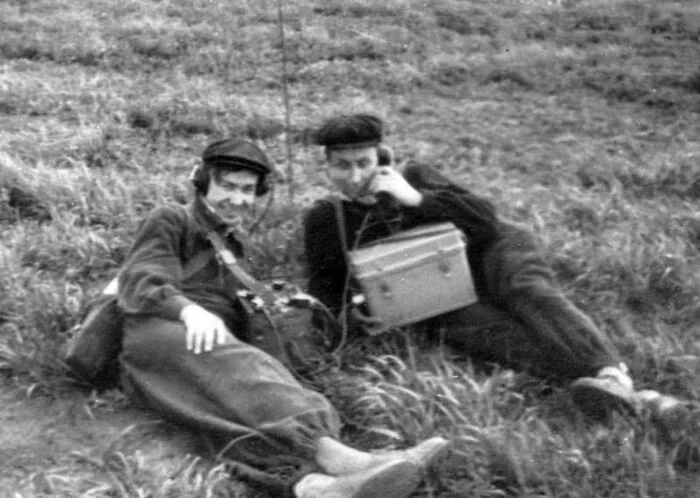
340, 222
229, 259
342, 234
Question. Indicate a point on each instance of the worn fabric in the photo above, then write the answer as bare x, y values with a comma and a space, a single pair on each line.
237, 391
522, 321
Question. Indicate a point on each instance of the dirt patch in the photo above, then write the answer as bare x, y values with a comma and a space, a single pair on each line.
46, 440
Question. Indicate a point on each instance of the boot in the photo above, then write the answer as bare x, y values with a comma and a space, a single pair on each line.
423, 454
611, 390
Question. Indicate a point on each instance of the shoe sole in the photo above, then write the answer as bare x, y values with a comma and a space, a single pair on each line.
392, 480
599, 403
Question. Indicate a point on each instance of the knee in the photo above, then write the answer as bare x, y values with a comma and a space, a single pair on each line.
534, 281
514, 270
525, 283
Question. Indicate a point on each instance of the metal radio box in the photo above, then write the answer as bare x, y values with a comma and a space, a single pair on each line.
414, 274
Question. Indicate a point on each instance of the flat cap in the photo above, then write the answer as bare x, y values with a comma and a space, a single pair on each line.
236, 153
350, 131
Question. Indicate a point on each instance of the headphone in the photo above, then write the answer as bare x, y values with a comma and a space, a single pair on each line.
238, 156
385, 155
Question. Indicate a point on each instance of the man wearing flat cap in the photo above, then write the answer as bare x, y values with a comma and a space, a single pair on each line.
185, 356
522, 320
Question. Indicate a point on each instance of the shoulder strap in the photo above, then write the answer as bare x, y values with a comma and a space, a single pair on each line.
227, 257
342, 234
340, 222
196, 263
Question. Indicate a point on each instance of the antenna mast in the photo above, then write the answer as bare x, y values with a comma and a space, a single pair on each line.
287, 108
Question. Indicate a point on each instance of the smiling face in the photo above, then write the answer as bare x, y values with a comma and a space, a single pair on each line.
351, 170
232, 195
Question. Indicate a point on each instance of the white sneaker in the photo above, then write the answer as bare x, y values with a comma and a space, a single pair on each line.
423, 454
393, 479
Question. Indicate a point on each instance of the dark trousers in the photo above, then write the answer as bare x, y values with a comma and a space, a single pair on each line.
238, 392
524, 321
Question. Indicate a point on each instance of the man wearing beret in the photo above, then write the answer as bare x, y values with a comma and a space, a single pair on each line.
184, 358
522, 320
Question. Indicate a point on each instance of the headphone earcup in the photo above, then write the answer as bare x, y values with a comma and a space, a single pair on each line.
200, 178
263, 186
385, 155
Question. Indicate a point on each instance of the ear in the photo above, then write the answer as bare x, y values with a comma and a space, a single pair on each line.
385, 155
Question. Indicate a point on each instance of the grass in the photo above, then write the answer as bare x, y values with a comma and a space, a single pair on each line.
577, 118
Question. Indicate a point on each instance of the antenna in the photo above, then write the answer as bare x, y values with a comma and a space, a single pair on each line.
287, 109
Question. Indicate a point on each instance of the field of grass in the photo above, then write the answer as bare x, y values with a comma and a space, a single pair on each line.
578, 118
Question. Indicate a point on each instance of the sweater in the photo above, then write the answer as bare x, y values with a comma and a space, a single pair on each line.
443, 201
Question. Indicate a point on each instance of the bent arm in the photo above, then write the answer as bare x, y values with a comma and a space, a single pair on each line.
443, 200
151, 278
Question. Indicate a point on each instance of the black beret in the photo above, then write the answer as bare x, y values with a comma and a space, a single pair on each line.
236, 153
350, 131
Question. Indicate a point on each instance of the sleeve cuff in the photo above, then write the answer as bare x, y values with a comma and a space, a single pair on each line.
173, 306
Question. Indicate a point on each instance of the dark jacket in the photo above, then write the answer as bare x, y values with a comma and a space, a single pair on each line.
151, 282
442, 201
